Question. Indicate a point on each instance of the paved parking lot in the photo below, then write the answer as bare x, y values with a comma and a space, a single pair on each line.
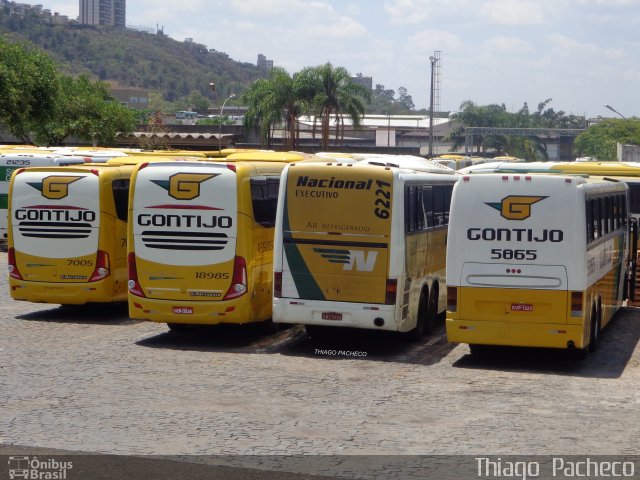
91, 379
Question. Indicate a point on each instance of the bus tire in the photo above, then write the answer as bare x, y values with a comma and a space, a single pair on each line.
418, 332
594, 334
318, 332
479, 350
178, 327
432, 311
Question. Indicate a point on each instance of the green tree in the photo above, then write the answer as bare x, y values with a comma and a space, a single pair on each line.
84, 109
272, 100
29, 88
599, 140
337, 95
472, 115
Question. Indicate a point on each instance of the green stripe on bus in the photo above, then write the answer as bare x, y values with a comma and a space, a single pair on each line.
4, 201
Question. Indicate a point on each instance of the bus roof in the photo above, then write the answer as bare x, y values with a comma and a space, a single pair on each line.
267, 156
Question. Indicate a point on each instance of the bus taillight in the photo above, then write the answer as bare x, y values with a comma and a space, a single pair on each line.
133, 284
239, 280
391, 291
576, 304
277, 284
102, 267
13, 266
452, 299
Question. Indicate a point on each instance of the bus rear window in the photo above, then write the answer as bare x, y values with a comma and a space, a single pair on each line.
264, 197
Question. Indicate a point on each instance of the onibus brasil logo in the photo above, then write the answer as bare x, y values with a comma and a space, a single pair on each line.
184, 186
35, 468
516, 207
55, 187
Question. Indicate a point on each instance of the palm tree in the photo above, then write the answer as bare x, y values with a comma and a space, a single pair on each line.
332, 93
272, 100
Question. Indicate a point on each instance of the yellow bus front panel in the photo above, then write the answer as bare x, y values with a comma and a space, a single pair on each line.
517, 317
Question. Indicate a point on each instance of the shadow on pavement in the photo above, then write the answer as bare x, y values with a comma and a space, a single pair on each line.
91, 314
292, 340
617, 343
250, 338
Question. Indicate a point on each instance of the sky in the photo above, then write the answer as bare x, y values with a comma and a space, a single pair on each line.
582, 54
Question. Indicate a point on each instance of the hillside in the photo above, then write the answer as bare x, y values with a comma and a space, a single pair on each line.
172, 69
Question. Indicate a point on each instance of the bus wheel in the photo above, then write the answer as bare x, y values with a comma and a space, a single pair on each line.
432, 312
418, 332
479, 350
178, 327
594, 336
318, 332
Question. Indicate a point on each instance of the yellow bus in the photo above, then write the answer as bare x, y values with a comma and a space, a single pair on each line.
67, 234
361, 245
535, 260
201, 239
10, 162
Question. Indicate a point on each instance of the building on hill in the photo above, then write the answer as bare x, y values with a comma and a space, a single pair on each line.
103, 12
132, 97
264, 63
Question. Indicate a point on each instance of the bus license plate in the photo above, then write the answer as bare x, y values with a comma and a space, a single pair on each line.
331, 316
182, 310
521, 307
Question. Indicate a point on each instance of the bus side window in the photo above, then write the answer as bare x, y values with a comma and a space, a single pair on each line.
438, 206
410, 209
448, 190
427, 205
604, 216
264, 197
419, 212
597, 225
590, 223
120, 189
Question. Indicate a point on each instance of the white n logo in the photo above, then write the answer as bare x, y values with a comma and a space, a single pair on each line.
363, 262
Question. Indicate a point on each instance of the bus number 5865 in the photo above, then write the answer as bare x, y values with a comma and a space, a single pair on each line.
508, 254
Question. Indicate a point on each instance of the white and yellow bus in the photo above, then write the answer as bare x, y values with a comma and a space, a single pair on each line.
12, 161
361, 245
67, 234
201, 239
535, 260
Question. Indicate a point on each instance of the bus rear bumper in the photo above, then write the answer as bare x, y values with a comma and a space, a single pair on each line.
62, 293
352, 315
193, 313
544, 335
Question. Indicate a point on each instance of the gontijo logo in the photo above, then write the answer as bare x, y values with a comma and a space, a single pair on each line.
184, 186
55, 187
516, 207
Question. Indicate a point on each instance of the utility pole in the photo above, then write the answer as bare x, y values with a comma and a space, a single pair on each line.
433, 61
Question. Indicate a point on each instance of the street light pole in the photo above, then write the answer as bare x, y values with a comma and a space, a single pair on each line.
614, 110
221, 110
433, 61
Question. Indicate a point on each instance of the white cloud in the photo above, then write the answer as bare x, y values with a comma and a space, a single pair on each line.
413, 12
508, 45
589, 52
513, 12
